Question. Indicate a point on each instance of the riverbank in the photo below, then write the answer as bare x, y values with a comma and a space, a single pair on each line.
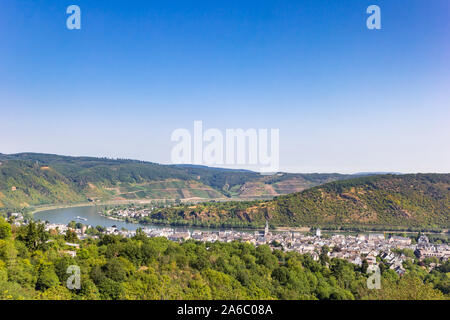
302, 229
94, 204
124, 202
62, 206
293, 229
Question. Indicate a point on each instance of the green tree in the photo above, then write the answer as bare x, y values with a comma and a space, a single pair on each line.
47, 278
407, 287
364, 266
34, 235
5, 229
71, 236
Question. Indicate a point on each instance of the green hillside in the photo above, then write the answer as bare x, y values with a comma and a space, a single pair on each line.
421, 200
411, 200
24, 183
32, 179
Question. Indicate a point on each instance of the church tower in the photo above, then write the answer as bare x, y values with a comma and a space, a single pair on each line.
318, 233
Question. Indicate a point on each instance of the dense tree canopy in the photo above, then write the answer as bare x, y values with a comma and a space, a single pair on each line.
33, 265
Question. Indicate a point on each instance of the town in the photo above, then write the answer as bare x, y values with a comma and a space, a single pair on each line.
370, 247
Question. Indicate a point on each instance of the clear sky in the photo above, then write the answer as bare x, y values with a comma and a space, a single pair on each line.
345, 98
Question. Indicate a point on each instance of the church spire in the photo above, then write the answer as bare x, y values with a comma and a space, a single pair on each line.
266, 229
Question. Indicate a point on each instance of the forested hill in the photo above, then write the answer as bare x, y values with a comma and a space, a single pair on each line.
34, 265
413, 200
30, 179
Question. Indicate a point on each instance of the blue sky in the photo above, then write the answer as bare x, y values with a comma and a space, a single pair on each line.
345, 98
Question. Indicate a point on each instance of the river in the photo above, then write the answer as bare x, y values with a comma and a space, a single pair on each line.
94, 218
91, 213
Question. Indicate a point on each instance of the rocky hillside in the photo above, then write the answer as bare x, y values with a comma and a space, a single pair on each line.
415, 200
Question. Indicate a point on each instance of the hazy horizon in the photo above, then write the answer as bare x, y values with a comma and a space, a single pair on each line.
225, 167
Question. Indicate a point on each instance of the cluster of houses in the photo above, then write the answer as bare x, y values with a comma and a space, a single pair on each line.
131, 213
425, 249
353, 248
135, 213
17, 218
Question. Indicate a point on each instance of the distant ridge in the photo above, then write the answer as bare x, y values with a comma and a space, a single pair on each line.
33, 179
375, 173
210, 168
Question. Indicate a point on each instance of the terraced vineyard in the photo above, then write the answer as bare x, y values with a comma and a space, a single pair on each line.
170, 189
31, 179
